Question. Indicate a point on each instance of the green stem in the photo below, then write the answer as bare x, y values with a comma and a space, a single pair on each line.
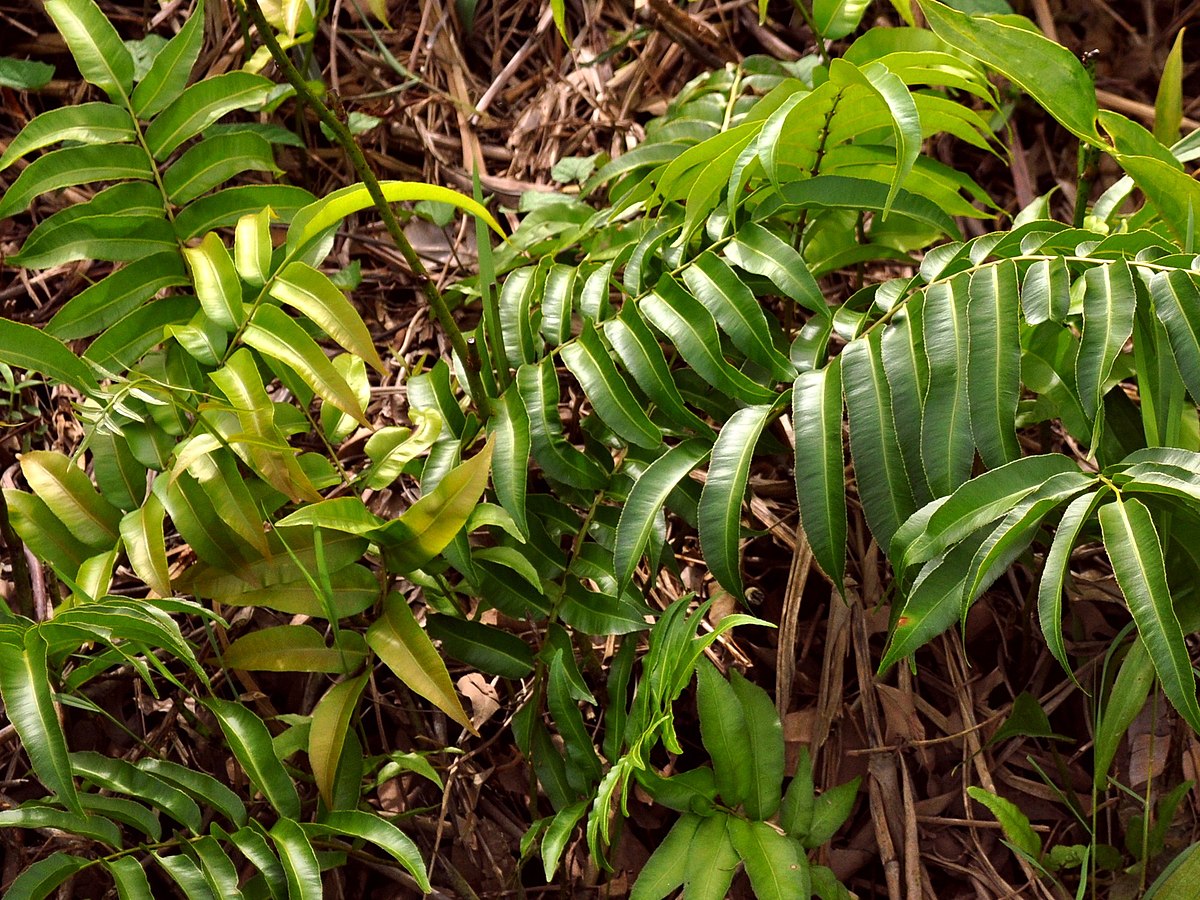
346, 140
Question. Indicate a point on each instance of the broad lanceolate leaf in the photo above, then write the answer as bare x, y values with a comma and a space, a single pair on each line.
820, 466
994, 362
1048, 72
44, 877
834, 19
1109, 304
907, 370
112, 298
250, 741
1137, 558
711, 860
142, 534
723, 730
69, 493
312, 293
214, 161
720, 511
126, 778
409, 653
538, 388
1046, 291
1174, 193
588, 360
378, 831
327, 734
294, 648
218, 287
29, 706
201, 105
667, 867
32, 349
777, 864
1168, 105
1055, 570
1177, 303
300, 864
274, 333
168, 75
946, 441
645, 502
883, 484
758, 250
427, 527
87, 123
102, 58
764, 742
510, 463
75, 165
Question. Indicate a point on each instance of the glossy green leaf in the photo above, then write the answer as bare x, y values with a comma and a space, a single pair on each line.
391, 448
1108, 311
558, 299
481, 646
32, 349
1054, 573
225, 207
834, 19
250, 742
720, 511
81, 232
947, 449
169, 73
509, 428
69, 493
29, 706
202, 104
102, 58
776, 864
275, 334
845, 192
85, 123
1050, 73
327, 735
558, 833
583, 763
614, 403
831, 809
299, 860
1013, 821
44, 877
883, 484
186, 873
1046, 291
407, 651
214, 161
723, 730
130, 878
796, 811
126, 778
906, 367
44, 533
1133, 547
760, 251
538, 389
142, 534
764, 744
24, 74
666, 868
312, 293
199, 785
712, 860
70, 166
994, 362
738, 313
1175, 194
217, 868
378, 831
1177, 304
109, 300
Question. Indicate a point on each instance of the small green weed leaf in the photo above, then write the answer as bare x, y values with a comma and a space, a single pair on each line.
274, 333
102, 58
723, 730
29, 706
831, 809
692, 791
820, 467
168, 75
378, 831
24, 74
666, 868
1054, 573
409, 653
764, 742
1013, 822
1137, 558
776, 863
201, 105
327, 736
299, 860
613, 401
70, 166
720, 511
32, 349
86, 123
1048, 72
312, 293
214, 161
43, 878
796, 811
1027, 719
558, 832
250, 742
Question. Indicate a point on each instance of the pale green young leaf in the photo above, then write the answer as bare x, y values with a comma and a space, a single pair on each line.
69, 493
218, 287
994, 362
776, 864
275, 334
102, 58
300, 864
1055, 570
312, 293
720, 510
723, 730
589, 360
169, 73
1137, 559
70, 166
32, 349
327, 737
509, 428
1046, 291
1168, 103
142, 535
405, 649
86, 123
202, 104
376, 830
834, 19
249, 740
252, 247
29, 706
213, 161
